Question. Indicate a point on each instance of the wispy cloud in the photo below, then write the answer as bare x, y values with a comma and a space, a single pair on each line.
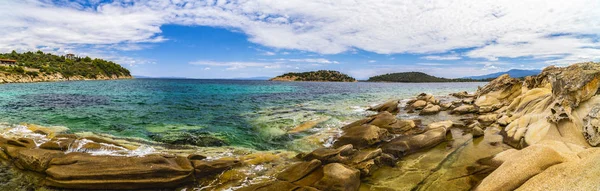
442, 57
496, 29
311, 60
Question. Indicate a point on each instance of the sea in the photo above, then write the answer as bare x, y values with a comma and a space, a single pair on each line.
207, 113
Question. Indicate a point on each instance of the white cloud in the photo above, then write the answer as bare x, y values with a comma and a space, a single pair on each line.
492, 29
235, 65
311, 60
442, 57
372, 61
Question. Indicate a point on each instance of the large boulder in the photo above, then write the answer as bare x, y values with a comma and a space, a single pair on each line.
299, 170
499, 91
404, 145
591, 125
430, 109
362, 136
391, 123
389, 106
580, 174
84, 171
338, 177
418, 104
520, 167
36, 159
464, 109
329, 155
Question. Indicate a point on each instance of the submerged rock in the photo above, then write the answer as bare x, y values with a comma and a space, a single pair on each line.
404, 145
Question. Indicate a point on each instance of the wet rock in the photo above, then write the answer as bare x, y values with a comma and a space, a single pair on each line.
389, 106
366, 167
362, 136
365, 154
338, 177
196, 138
428, 98
419, 104
477, 131
386, 159
276, 185
446, 106
391, 123
60, 143
22, 142
329, 155
36, 159
299, 170
308, 125
430, 109
83, 171
464, 109
196, 157
404, 145
209, 167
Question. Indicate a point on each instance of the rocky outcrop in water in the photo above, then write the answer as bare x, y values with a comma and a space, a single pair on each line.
56, 77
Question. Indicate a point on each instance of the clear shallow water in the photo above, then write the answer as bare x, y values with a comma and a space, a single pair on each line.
253, 114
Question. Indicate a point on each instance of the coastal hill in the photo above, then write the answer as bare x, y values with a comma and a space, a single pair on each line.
321, 76
414, 77
39, 66
515, 73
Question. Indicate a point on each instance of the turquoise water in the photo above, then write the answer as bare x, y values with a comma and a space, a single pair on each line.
253, 114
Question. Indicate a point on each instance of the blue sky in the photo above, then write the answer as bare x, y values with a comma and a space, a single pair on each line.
238, 39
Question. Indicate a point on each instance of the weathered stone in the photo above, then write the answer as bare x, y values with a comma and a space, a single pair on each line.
430, 109
329, 155
22, 142
366, 167
405, 145
487, 119
61, 144
476, 131
206, 167
364, 155
36, 159
591, 125
419, 104
520, 167
468, 101
389, 106
276, 185
298, 170
196, 157
463, 94
500, 90
362, 136
464, 109
428, 98
338, 177
83, 171
446, 106
580, 174
391, 123
504, 120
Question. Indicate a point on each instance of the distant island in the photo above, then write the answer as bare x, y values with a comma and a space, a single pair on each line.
417, 77
320, 76
514, 73
41, 67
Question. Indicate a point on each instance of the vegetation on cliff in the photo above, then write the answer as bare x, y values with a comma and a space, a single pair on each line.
321, 75
416, 77
40, 63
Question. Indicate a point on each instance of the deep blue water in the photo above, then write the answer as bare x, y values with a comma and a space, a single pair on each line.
252, 114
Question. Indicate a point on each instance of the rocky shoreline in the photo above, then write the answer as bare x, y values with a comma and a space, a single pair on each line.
538, 133
57, 77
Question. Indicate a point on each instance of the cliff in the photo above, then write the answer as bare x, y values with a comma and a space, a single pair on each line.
42, 67
321, 76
